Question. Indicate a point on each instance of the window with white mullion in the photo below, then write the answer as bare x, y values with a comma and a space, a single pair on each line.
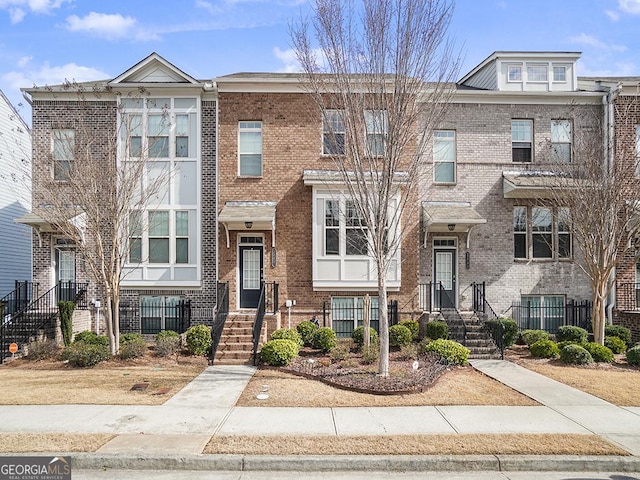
376, 132
135, 237
332, 227
333, 132
520, 247
444, 156
561, 141
63, 153
542, 232
159, 233
522, 140
356, 231
564, 233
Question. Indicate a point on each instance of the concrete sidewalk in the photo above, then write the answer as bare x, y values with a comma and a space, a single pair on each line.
178, 430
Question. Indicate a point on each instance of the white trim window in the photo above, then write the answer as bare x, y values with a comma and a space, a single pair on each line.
444, 156
561, 141
63, 152
542, 233
250, 149
537, 73
637, 150
375, 132
560, 73
520, 248
333, 132
522, 140
514, 73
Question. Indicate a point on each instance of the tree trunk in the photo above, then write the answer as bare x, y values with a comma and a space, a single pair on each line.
383, 365
366, 321
598, 313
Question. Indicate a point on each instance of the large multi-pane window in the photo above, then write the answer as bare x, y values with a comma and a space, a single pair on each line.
159, 237
347, 313
541, 233
356, 232
159, 313
444, 156
561, 141
522, 140
537, 73
544, 312
332, 227
250, 149
376, 132
182, 236
345, 229
63, 153
333, 133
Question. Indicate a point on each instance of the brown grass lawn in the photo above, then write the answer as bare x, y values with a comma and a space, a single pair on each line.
52, 442
617, 382
50, 382
460, 386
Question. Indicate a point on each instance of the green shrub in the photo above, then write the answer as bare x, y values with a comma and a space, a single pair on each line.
436, 329
91, 338
576, 355
324, 339
532, 336
130, 337
339, 353
306, 329
167, 346
561, 345
42, 349
598, 352
413, 326
571, 333
615, 344
82, 354
279, 352
133, 347
358, 336
399, 335
618, 331
66, 309
450, 352
287, 334
163, 334
633, 355
370, 355
503, 329
544, 349
199, 340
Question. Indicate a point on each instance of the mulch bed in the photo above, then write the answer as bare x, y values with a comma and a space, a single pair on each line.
352, 374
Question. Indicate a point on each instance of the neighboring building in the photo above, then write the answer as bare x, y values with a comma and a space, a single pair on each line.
488, 216
15, 197
170, 275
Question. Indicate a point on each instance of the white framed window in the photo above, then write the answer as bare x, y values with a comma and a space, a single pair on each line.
376, 132
250, 148
637, 146
135, 237
347, 314
182, 236
537, 73
444, 156
356, 231
159, 313
158, 246
332, 227
561, 141
514, 73
520, 247
64, 144
565, 249
559, 73
544, 312
522, 140
333, 132
542, 232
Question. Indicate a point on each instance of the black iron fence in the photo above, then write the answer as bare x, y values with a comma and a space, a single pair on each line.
434, 296
257, 323
629, 295
18, 299
222, 312
270, 297
346, 316
538, 316
480, 305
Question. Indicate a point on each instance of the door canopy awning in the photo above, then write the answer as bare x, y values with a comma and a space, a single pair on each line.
450, 217
534, 184
49, 220
250, 216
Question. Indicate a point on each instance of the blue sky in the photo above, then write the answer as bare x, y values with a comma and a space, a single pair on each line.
44, 42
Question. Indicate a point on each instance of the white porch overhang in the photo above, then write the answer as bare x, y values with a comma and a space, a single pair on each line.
49, 220
450, 217
249, 216
537, 184
333, 177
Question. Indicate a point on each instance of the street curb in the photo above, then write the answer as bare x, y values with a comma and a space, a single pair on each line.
328, 463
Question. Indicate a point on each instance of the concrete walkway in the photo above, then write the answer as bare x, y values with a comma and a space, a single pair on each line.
183, 425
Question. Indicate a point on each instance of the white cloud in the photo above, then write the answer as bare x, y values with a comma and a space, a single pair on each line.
591, 41
111, 26
16, 14
52, 75
613, 15
24, 61
629, 6
208, 6
288, 57
18, 9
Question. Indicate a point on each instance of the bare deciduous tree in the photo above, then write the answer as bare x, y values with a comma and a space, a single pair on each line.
380, 73
100, 184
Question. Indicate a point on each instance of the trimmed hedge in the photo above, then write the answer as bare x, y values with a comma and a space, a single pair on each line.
544, 349
618, 331
529, 337
436, 329
450, 352
306, 329
615, 344
132, 345
576, 355
507, 326
91, 338
81, 354
413, 326
199, 340
324, 339
570, 333
633, 355
167, 343
287, 334
399, 335
279, 352
598, 352
358, 336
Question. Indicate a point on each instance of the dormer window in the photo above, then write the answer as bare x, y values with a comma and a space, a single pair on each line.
537, 73
515, 73
560, 73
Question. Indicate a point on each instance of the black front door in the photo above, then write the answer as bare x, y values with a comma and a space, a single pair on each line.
250, 264
444, 274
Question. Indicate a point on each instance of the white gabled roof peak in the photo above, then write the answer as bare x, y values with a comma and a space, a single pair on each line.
154, 69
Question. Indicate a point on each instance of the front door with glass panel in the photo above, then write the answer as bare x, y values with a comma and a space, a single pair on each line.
444, 274
65, 258
250, 265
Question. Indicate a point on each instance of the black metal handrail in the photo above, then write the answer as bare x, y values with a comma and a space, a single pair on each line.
26, 323
270, 297
452, 316
629, 296
222, 312
257, 323
19, 298
480, 304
